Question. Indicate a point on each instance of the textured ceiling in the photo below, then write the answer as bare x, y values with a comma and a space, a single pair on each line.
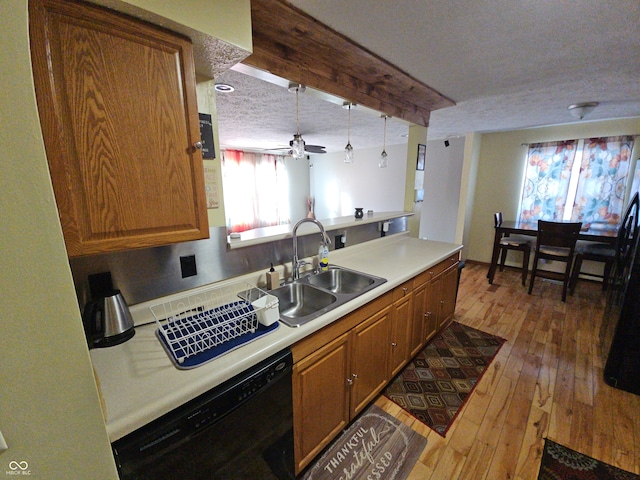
507, 65
260, 114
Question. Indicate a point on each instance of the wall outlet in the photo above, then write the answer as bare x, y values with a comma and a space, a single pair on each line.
188, 266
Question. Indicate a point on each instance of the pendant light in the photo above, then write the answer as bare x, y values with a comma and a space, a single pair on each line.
297, 144
348, 150
383, 162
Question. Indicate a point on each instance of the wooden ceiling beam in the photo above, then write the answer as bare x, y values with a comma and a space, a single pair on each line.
290, 44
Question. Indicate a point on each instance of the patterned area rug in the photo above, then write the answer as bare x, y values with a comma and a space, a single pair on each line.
376, 445
435, 384
560, 462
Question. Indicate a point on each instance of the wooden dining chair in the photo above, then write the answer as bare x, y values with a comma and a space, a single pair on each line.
603, 252
556, 241
593, 252
513, 242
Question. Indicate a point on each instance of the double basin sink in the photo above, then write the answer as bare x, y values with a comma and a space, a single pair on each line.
318, 293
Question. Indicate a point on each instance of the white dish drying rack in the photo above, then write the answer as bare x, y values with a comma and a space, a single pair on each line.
198, 322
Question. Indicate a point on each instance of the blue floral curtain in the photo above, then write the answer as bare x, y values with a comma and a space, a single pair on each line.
603, 178
547, 180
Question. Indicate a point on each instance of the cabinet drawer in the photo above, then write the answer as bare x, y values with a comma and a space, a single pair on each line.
402, 290
436, 270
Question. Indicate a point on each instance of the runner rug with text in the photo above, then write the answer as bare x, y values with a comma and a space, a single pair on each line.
376, 446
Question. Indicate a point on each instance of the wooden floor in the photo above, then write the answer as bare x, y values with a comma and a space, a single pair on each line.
546, 382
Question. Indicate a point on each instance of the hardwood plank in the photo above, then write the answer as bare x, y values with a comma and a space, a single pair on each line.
495, 417
449, 465
603, 419
582, 428
477, 462
532, 443
623, 434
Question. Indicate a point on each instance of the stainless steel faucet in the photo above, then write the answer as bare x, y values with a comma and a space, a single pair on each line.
297, 263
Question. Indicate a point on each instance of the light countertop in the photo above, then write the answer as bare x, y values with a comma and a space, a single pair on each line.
258, 236
139, 383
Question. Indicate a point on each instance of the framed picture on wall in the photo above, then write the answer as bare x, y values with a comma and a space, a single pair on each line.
422, 151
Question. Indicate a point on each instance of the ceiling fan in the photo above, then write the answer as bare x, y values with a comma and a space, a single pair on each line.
307, 148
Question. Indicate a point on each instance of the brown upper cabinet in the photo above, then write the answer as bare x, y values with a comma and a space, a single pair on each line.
119, 117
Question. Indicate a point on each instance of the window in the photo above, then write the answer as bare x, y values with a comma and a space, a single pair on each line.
577, 180
256, 190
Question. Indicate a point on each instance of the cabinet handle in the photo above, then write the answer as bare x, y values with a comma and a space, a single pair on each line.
394, 344
431, 273
441, 302
354, 375
349, 381
404, 290
197, 145
427, 315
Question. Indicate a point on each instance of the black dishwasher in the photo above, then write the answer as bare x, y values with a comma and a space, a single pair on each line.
242, 429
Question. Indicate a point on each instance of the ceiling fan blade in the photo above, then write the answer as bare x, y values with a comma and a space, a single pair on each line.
314, 149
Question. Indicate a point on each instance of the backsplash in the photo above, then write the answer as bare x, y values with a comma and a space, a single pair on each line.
149, 273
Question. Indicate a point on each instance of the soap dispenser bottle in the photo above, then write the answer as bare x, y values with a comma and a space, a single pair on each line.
273, 278
323, 256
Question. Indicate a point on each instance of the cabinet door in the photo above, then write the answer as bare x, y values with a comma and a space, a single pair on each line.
448, 294
401, 330
418, 333
369, 364
433, 307
320, 399
118, 111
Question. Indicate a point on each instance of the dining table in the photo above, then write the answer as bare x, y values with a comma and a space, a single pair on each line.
594, 232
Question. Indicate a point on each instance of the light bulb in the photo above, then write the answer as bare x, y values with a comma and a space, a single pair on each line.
383, 162
348, 153
297, 146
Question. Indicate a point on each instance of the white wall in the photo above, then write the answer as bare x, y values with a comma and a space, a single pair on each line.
299, 187
339, 188
442, 176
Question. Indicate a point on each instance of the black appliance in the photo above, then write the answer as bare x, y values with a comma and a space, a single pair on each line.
620, 334
242, 429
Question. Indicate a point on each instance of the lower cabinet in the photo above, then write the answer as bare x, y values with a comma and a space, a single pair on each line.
369, 360
402, 327
448, 292
423, 326
435, 299
320, 398
340, 369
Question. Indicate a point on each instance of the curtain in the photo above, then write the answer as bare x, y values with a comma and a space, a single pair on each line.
603, 178
255, 190
546, 183
635, 185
